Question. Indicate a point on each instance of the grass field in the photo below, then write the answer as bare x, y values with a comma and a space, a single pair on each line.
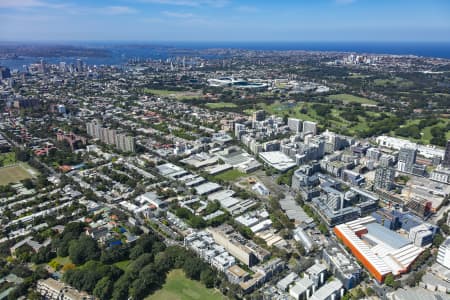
305, 111
15, 173
7, 158
347, 98
179, 287
180, 95
62, 260
426, 132
218, 105
358, 75
230, 175
397, 81
59, 261
122, 264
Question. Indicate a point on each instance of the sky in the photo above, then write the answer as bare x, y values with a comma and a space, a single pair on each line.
225, 20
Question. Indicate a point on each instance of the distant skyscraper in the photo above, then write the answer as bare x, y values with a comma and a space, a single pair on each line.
310, 127
5, 73
259, 115
446, 161
406, 159
42, 68
295, 125
80, 65
384, 178
62, 67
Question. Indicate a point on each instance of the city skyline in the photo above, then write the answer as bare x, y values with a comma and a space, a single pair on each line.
225, 20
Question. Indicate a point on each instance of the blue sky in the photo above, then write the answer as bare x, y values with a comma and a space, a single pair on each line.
225, 20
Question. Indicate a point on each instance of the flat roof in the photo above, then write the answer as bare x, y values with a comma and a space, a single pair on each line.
301, 286
221, 195
207, 187
386, 236
238, 271
168, 168
364, 249
278, 160
328, 289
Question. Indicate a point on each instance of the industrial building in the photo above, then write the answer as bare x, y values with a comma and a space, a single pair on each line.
277, 160
303, 238
379, 249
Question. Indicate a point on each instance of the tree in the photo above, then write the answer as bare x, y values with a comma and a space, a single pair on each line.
71, 232
414, 278
301, 249
121, 287
22, 155
21, 271
347, 296
110, 256
44, 255
83, 249
208, 277
323, 229
40, 273
134, 268
136, 251
163, 260
370, 291
390, 281
19, 291
28, 183
438, 239
192, 267
104, 288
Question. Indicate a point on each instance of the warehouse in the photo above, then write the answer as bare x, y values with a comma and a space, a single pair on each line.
380, 250
277, 160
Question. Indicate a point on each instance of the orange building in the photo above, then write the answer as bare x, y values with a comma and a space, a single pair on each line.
376, 249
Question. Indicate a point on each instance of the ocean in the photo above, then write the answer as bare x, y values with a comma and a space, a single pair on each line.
121, 52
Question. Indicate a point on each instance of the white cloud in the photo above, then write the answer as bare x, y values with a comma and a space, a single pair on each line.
25, 4
118, 10
192, 3
247, 9
174, 14
21, 3
345, 1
